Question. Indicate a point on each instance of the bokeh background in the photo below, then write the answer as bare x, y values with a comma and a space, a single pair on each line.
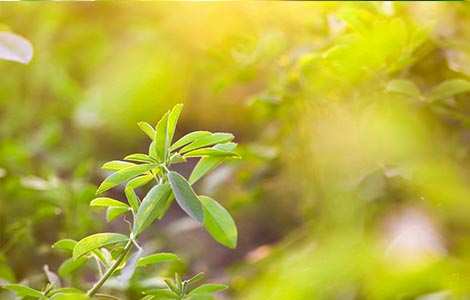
353, 120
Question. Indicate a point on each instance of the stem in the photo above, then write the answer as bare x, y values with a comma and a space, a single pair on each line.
111, 269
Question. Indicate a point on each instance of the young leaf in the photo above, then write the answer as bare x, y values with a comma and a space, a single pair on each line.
172, 286
186, 197
196, 278
114, 212
188, 138
161, 138
139, 181
210, 152
147, 129
449, 88
105, 201
215, 138
66, 244
152, 205
131, 196
207, 164
123, 175
24, 290
157, 258
116, 165
219, 223
70, 265
98, 240
140, 157
172, 120
207, 288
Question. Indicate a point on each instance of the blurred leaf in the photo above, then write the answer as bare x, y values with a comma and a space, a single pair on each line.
66, 244
186, 197
207, 164
98, 240
151, 208
208, 288
70, 265
24, 290
215, 138
52, 277
140, 157
69, 296
15, 48
162, 294
210, 152
147, 129
188, 138
449, 88
105, 201
139, 181
114, 212
219, 223
157, 258
117, 165
404, 87
123, 175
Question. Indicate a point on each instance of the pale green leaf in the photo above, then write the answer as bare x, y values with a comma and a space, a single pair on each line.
161, 145
186, 197
105, 201
132, 198
208, 288
147, 129
214, 138
210, 152
66, 244
116, 165
449, 88
207, 164
24, 290
69, 296
113, 212
70, 265
188, 138
95, 241
219, 223
157, 258
163, 294
172, 120
123, 175
140, 157
139, 181
404, 87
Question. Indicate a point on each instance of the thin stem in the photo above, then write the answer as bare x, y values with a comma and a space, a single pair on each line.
111, 269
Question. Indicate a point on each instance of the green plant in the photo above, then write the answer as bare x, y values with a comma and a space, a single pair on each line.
114, 252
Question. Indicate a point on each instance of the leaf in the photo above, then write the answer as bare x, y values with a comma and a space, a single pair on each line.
208, 288
66, 290
139, 181
123, 175
129, 268
186, 197
188, 138
152, 205
404, 87
66, 244
157, 258
70, 265
219, 223
15, 48
116, 165
210, 152
176, 158
172, 286
24, 290
140, 157
95, 241
163, 294
69, 296
207, 164
172, 120
215, 138
52, 277
449, 88
147, 129
153, 151
114, 212
131, 196
161, 137
196, 278
105, 201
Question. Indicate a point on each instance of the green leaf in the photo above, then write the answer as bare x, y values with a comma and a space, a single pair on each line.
207, 164
114, 212
16, 48
151, 208
172, 120
24, 290
172, 286
196, 278
69, 296
147, 129
449, 88
97, 241
66, 244
70, 265
176, 158
123, 175
404, 87
139, 181
210, 152
65, 290
188, 138
117, 165
157, 258
131, 196
186, 197
208, 288
153, 151
162, 294
215, 138
140, 157
219, 223
105, 201
161, 138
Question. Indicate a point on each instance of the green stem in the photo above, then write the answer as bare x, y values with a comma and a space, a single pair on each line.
111, 269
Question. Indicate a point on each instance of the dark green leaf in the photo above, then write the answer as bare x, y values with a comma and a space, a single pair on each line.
114, 212
207, 288
131, 196
123, 175
186, 197
139, 181
24, 290
140, 157
219, 223
151, 208
95, 241
449, 88
147, 129
188, 138
207, 164
70, 265
157, 258
66, 244
105, 201
117, 165
215, 138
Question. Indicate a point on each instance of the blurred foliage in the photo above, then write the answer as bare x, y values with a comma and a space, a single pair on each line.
356, 119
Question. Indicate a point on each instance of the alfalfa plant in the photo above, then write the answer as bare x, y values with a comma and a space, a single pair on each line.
118, 255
